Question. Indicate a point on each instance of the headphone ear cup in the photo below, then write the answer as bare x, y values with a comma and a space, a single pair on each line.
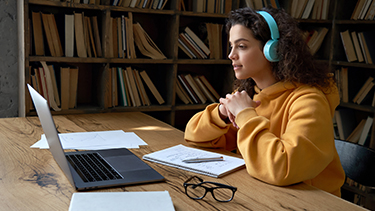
269, 50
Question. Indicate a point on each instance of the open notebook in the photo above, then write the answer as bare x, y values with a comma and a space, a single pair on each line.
175, 155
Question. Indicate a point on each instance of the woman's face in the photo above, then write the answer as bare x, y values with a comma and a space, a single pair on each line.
247, 57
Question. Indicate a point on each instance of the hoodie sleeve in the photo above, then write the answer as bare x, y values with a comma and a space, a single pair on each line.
207, 129
303, 149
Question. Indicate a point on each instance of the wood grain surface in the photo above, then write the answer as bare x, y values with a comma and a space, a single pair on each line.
30, 179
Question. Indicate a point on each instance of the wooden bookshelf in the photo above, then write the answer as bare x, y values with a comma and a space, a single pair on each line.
162, 26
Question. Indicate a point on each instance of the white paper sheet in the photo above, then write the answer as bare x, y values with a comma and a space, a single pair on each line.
134, 201
95, 140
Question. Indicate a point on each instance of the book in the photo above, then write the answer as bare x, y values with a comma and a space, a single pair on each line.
348, 46
371, 12
115, 38
103, 86
73, 86
47, 31
299, 8
357, 46
196, 88
357, 9
174, 156
133, 200
43, 83
120, 39
122, 87
152, 87
54, 83
79, 35
90, 42
210, 6
64, 87
186, 49
365, 48
190, 47
364, 9
204, 89
364, 86
179, 91
142, 91
69, 35
132, 89
365, 131
213, 40
315, 43
98, 45
197, 40
344, 83
145, 44
114, 87
346, 122
307, 11
55, 35
365, 92
369, 39
38, 33
356, 134
188, 89
209, 86
49, 87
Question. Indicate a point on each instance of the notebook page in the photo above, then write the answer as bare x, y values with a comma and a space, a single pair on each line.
175, 155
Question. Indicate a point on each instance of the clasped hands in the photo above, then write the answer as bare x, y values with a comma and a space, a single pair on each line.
232, 104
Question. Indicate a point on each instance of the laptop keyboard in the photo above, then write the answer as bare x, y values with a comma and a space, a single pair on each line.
91, 167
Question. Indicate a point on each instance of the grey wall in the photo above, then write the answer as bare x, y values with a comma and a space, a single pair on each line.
8, 59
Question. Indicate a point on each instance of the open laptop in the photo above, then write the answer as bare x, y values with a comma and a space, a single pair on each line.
92, 169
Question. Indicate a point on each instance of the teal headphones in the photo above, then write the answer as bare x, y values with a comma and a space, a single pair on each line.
269, 49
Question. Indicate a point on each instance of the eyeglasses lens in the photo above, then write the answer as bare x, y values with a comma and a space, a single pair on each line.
195, 191
223, 194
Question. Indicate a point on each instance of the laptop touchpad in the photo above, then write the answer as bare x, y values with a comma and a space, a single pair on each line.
127, 163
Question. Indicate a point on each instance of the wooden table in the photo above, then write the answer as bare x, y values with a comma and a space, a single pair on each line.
30, 179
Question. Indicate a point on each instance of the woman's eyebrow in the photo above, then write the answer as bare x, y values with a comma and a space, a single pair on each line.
238, 40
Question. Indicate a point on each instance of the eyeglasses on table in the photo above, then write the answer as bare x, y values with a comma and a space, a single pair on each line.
196, 188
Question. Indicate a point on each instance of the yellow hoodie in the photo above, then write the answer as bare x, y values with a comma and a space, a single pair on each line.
286, 140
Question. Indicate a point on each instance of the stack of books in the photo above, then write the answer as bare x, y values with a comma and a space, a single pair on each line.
131, 85
358, 46
45, 81
81, 35
364, 10
192, 45
195, 89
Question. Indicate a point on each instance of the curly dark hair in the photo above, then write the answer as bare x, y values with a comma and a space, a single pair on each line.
296, 64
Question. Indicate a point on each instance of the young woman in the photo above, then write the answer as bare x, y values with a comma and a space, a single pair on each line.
279, 115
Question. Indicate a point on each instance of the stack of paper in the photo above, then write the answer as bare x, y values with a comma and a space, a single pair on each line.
95, 140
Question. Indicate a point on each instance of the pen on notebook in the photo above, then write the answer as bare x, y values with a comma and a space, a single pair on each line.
200, 160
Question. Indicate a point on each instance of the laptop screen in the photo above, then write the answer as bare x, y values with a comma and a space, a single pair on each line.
50, 131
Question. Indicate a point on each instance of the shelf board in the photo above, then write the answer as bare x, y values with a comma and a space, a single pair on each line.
95, 109
204, 61
99, 60
100, 7
314, 21
355, 22
365, 108
354, 64
182, 107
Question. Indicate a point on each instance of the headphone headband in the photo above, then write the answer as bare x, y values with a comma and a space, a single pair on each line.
271, 24
270, 48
